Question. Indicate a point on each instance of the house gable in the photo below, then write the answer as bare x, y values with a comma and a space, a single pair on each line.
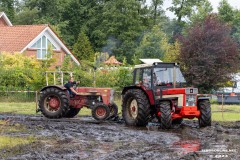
53, 39
4, 21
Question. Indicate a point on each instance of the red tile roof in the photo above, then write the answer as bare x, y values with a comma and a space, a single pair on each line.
15, 38
113, 61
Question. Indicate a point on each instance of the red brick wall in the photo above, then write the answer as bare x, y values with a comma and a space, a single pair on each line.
57, 55
2, 22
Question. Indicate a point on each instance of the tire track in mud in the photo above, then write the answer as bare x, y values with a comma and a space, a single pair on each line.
85, 138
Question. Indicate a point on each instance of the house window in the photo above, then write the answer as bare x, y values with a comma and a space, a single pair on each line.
42, 46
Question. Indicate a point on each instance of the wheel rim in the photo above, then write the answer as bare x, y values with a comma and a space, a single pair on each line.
52, 103
133, 109
100, 112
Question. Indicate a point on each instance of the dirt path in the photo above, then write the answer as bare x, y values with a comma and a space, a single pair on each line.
85, 138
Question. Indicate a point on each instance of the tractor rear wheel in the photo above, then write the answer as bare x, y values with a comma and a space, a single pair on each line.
100, 111
72, 112
113, 110
136, 108
166, 116
205, 113
53, 103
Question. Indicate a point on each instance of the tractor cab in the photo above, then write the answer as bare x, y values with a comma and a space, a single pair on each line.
158, 75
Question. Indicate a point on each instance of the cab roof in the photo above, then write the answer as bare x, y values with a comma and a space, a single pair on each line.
157, 64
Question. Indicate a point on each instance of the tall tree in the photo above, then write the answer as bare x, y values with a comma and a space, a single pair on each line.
236, 26
225, 11
123, 20
152, 44
86, 16
231, 16
49, 11
82, 49
204, 8
208, 54
156, 9
183, 8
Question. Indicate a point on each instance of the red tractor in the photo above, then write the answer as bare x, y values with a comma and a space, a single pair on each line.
157, 92
55, 102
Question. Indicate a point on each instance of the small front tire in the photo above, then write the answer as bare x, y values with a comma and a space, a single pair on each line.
100, 112
166, 116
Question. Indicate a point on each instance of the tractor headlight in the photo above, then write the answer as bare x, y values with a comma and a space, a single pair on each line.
191, 100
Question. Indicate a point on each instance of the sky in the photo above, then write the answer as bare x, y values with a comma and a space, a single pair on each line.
215, 3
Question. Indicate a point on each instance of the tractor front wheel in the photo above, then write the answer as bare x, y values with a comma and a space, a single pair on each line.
136, 108
205, 113
166, 116
100, 111
53, 103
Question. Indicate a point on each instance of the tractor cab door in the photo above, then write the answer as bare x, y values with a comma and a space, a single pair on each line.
143, 76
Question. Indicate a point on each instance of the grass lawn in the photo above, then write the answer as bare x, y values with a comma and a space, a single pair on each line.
10, 141
231, 112
7, 141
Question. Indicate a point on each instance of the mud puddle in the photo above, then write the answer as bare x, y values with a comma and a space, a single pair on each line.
85, 138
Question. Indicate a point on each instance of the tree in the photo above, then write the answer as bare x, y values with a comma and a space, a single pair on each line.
26, 17
156, 9
21, 71
236, 26
225, 11
152, 44
204, 8
183, 8
7, 6
49, 11
123, 22
172, 51
82, 49
227, 14
208, 54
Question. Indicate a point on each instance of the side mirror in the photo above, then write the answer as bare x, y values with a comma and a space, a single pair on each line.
235, 85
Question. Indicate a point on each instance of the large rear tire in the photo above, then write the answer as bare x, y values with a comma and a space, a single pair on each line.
166, 116
205, 113
72, 112
136, 108
53, 103
100, 112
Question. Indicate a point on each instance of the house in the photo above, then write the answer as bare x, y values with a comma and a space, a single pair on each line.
32, 40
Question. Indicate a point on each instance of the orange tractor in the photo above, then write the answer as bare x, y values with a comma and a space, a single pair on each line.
157, 92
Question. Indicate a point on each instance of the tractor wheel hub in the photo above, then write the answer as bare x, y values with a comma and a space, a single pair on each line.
54, 103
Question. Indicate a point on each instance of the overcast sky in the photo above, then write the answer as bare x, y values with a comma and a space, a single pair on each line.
215, 4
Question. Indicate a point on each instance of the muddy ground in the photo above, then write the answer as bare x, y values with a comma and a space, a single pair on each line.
85, 138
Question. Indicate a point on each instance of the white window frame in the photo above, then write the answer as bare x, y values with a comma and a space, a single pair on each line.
34, 46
